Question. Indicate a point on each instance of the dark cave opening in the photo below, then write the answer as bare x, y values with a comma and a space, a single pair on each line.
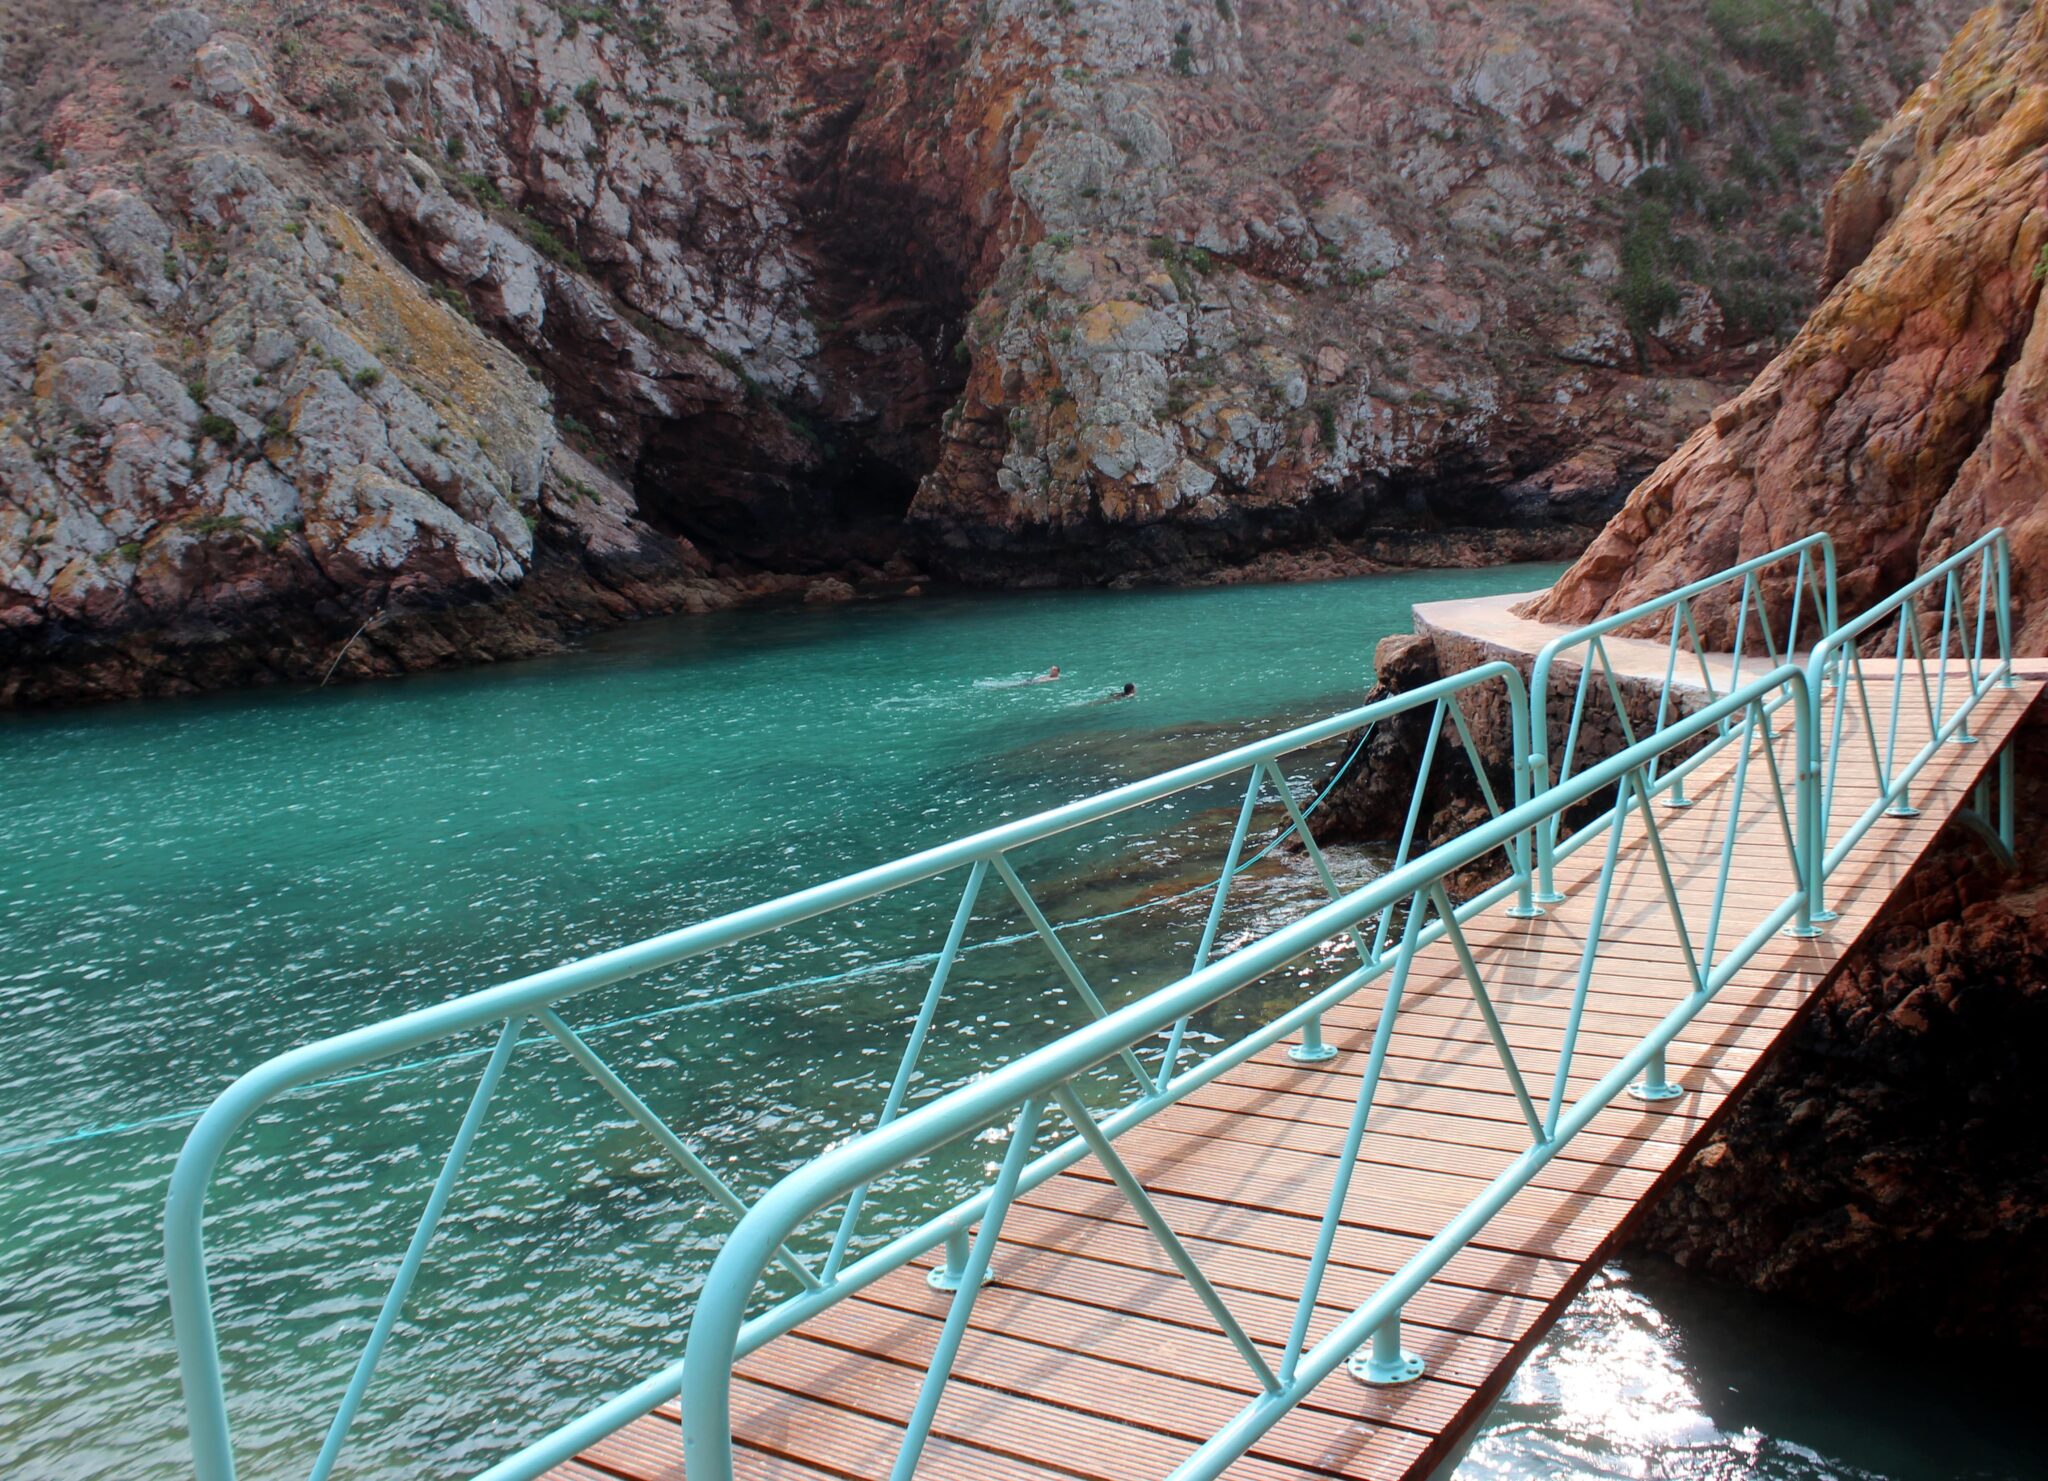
819, 503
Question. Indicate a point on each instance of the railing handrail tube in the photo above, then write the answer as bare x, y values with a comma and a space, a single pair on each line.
721, 1310
564, 1443
1545, 839
1847, 632
1546, 656
1839, 646
184, 1213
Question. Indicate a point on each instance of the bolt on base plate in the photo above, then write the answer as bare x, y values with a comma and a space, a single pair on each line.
1367, 1369
1304, 1054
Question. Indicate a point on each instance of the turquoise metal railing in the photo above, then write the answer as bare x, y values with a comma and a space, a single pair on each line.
1019, 1095
1948, 686
1777, 721
1808, 565
537, 1001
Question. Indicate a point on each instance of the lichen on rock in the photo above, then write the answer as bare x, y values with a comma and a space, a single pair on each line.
301, 312
1907, 416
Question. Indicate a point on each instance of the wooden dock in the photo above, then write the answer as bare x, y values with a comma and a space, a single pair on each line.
1089, 1357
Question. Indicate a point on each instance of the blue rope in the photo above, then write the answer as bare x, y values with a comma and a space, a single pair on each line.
726, 1000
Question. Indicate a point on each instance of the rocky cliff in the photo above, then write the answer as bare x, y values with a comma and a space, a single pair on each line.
1889, 1160
1910, 413
1890, 1163
392, 332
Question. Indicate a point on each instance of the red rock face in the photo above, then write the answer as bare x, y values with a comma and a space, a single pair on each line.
1880, 1167
1908, 416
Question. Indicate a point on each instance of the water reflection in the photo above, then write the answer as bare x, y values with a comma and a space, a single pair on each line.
1654, 1376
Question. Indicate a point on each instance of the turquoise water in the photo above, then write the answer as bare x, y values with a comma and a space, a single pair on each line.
188, 888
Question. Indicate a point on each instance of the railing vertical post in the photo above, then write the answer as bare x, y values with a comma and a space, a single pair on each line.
1542, 833
1811, 832
2004, 554
951, 1275
1656, 1084
1313, 1048
1385, 1361
1952, 603
2005, 799
1520, 707
1909, 618
1546, 833
1827, 555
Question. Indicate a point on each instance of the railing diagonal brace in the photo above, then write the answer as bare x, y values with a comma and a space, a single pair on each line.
1628, 729
1485, 1001
699, 1170
1656, 836
1023, 1134
1586, 960
1067, 965
1354, 1138
1215, 917
416, 1250
1406, 846
1770, 749
913, 1050
1472, 755
1141, 1201
1314, 851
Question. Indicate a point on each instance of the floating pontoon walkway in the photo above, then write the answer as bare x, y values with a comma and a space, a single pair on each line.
1089, 1356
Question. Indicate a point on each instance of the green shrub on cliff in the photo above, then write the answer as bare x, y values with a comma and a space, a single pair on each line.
1646, 291
1673, 102
1785, 40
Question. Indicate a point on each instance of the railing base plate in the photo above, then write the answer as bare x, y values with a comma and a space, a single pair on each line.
1368, 1370
1662, 1090
1902, 812
1524, 912
1677, 802
1316, 1054
938, 1280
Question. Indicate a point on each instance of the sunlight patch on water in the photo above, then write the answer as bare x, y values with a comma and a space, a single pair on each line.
1651, 1376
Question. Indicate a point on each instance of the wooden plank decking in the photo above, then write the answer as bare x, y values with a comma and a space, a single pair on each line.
1088, 1357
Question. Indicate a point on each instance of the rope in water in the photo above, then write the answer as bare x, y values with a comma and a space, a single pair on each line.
699, 1005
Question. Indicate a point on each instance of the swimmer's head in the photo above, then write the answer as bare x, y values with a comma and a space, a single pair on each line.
1130, 688
1053, 672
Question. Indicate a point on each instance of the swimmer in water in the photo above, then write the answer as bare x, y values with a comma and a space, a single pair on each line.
1045, 678
1129, 691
